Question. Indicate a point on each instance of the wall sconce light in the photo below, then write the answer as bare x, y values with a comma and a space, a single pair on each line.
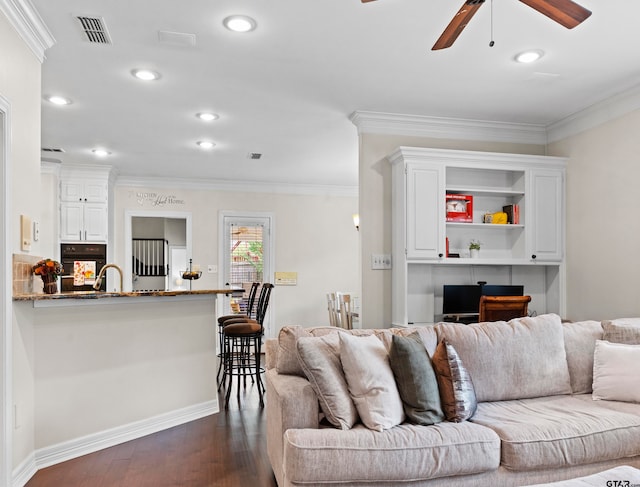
356, 221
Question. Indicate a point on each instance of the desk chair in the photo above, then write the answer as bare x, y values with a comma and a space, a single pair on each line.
503, 308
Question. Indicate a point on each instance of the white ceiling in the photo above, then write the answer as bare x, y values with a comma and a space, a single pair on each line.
287, 89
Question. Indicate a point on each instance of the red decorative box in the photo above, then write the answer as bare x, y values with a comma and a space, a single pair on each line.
459, 208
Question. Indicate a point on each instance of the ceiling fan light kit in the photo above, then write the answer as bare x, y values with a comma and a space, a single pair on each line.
565, 12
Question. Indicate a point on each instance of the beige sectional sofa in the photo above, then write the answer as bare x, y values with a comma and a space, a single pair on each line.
536, 419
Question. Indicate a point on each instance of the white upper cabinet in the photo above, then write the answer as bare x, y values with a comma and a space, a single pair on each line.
84, 204
486, 183
546, 220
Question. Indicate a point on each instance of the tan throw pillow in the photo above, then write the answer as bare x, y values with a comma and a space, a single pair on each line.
287, 361
623, 330
457, 394
615, 375
371, 384
320, 360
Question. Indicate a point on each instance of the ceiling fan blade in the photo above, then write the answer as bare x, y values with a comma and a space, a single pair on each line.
457, 24
365, 1
565, 12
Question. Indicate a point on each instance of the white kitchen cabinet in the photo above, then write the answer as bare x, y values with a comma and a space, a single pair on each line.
80, 222
84, 204
530, 252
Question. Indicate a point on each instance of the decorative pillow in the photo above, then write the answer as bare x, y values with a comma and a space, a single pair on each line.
287, 361
624, 330
615, 374
522, 358
579, 343
371, 384
415, 379
457, 394
320, 360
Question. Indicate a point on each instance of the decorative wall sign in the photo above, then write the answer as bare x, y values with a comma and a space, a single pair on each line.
286, 278
151, 198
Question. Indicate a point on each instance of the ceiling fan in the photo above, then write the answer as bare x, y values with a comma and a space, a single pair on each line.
565, 12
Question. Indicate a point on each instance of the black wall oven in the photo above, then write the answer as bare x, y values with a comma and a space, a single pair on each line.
91, 258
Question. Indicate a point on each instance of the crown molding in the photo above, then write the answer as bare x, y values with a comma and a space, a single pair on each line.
596, 114
26, 20
237, 186
448, 128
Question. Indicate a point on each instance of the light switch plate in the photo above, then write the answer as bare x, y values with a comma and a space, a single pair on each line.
380, 261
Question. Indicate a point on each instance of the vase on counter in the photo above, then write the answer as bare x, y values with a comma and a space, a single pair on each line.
50, 284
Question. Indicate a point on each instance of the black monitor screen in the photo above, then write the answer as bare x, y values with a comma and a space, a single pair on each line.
460, 299
497, 290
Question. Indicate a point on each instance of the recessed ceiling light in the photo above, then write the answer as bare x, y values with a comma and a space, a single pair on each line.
101, 152
58, 100
146, 74
207, 116
205, 144
529, 56
240, 23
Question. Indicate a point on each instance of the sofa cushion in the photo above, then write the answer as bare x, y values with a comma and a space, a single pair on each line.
401, 454
522, 358
623, 330
320, 361
371, 384
579, 343
457, 393
287, 360
560, 431
416, 380
615, 372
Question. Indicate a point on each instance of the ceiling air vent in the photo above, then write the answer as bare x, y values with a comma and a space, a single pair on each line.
52, 149
94, 29
254, 155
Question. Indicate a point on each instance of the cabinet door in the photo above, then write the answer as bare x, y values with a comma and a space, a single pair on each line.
425, 211
95, 191
545, 220
95, 222
71, 190
71, 222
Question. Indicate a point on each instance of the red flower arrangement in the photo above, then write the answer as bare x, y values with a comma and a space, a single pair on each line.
48, 267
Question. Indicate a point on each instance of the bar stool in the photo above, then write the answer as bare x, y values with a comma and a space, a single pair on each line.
249, 313
242, 342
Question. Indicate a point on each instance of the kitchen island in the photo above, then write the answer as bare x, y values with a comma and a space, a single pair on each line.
108, 367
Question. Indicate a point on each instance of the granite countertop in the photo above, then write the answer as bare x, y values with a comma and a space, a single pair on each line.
84, 295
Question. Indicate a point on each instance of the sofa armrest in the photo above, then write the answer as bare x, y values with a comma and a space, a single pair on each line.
291, 403
271, 352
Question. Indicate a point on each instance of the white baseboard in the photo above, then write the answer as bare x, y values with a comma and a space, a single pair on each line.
23, 472
77, 447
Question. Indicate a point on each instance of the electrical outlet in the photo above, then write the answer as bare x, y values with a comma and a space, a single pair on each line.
380, 261
212, 268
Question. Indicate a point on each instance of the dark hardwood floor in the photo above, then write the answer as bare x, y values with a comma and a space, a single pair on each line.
225, 449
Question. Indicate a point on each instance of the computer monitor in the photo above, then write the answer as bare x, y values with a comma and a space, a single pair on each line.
460, 299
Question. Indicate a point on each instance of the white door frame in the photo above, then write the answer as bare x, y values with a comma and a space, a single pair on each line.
268, 259
128, 254
6, 303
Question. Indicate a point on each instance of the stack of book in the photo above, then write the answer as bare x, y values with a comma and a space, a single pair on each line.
513, 214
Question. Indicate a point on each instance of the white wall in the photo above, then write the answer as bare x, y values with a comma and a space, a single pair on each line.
314, 236
20, 85
375, 210
603, 228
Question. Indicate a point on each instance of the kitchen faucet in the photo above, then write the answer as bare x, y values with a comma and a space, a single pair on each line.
98, 282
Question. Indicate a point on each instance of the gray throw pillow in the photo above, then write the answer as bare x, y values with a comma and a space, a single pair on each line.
416, 380
623, 330
457, 393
